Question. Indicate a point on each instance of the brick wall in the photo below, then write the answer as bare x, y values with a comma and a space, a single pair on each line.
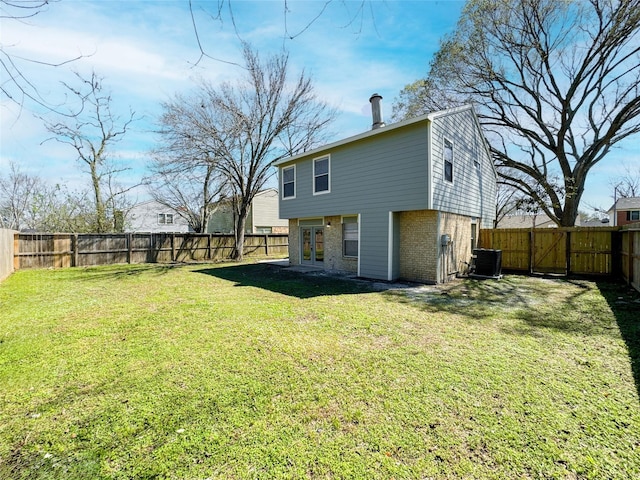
456, 258
422, 258
333, 258
418, 247
294, 242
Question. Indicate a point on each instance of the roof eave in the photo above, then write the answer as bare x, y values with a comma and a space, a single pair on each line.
354, 138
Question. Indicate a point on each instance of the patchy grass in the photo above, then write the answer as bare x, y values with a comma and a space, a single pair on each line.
248, 371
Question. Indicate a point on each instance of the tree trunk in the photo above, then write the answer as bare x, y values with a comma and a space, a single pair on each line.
239, 239
101, 214
570, 212
241, 222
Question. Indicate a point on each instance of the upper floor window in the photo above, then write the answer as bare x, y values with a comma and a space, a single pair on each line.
289, 182
633, 215
448, 160
165, 218
321, 175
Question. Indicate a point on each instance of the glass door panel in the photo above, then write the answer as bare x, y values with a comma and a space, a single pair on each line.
306, 245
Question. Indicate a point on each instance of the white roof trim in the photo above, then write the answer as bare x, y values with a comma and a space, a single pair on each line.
355, 138
429, 117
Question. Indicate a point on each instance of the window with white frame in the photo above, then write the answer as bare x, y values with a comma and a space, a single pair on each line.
289, 182
633, 215
165, 218
350, 236
448, 160
321, 175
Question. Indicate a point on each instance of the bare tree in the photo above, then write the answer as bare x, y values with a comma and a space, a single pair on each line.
222, 11
556, 86
16, 85
193, 190
184, 169
18, 191
57, 209
91, 134
243, 127
29, 203
628, 184
508, 201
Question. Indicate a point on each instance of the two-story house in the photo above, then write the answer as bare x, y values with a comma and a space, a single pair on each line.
263, 215
624, 211
153, 216
401, 201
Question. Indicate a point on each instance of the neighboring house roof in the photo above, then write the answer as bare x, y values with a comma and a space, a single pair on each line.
596, 223
628, 203
526, 221
542, 220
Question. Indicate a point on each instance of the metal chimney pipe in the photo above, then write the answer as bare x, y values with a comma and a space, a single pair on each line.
376, 111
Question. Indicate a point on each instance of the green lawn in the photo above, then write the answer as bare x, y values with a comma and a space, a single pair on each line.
249, 371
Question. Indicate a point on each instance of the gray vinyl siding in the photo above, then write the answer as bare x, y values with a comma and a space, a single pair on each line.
472, 192
395, 273
374, 246
372, 177
385, 172
143, 217
262, 213
379, 174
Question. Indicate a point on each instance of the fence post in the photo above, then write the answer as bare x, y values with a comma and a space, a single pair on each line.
532, 240
567, 248
74, 250
16, 251
266, 244
173, 247
129, 247
631, 241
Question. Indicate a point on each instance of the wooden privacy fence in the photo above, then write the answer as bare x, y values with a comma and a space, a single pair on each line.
630, 253
59, 250
6, 252
613, 251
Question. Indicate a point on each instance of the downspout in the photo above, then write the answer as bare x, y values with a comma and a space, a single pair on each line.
430, 194
429, 165
359, 242
390, 228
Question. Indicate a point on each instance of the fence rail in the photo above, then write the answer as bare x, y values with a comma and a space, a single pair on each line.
58, 250
612, 251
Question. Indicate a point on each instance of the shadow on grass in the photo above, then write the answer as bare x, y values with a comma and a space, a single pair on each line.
528, 300
624, 302
121, 271
286, 282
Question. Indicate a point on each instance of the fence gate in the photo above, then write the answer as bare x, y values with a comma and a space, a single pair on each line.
549, 251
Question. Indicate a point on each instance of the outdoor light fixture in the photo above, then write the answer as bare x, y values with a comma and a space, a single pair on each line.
328, 224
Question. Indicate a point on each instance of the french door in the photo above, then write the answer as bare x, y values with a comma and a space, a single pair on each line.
313, 245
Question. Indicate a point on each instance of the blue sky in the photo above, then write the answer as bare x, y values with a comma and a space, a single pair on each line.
146, 51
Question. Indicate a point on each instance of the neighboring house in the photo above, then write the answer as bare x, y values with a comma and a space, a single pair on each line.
604, 222
624, 211
263, 216
540, 220
152, 216
401, 201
